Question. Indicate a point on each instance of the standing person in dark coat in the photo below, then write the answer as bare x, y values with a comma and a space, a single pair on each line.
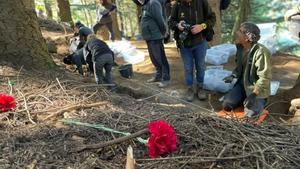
83, 33
100, 55
103, 12
153, 27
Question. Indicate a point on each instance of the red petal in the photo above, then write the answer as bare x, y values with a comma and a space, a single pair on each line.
162, 140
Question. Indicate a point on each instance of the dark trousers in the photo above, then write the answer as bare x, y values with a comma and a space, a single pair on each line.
158, 58
109, 27
235, 98
103, 62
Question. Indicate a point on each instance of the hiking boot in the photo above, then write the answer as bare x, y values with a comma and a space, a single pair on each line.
201, 94
190, 94
164, 83
153, 79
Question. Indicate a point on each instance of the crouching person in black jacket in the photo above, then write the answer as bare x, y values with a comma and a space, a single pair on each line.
77, 59
99, 54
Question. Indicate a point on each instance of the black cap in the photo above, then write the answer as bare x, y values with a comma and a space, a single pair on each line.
78, 24
68, 59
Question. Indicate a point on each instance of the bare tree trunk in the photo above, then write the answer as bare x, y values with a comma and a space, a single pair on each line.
115, 23
104, 31
215, 5
122, 21
138, 15
64, 11
241, 16
48, 8
89, 14
132, 28
85, 13
29, 4
21, 41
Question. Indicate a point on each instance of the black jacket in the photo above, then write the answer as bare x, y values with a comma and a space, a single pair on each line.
153, 20
194, 12
96, 48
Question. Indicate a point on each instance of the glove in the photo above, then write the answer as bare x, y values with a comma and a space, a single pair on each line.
250, 100
228, 79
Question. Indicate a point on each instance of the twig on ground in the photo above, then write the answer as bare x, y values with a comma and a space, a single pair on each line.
74, 107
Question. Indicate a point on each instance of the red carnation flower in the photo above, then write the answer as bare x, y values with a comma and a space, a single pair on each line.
6, 102
162, 140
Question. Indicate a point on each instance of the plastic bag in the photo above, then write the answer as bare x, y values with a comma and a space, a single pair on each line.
274, 87
213, 80
119, 46
229, 49
125, 50
216, 57
133, 56
268, 36
74, 43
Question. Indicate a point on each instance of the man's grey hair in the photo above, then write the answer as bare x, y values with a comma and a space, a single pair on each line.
252, 31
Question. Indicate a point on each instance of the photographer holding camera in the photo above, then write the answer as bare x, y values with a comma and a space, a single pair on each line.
191, 20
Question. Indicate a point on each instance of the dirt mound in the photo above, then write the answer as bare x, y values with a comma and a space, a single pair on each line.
280, 103
53, 26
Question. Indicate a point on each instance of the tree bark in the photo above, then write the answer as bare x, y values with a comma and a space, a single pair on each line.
114, 17
89, 14
21, 42
138, 15
85, 13
29, 4
64, 11
215, 6
48, 8
104, 32
241, 16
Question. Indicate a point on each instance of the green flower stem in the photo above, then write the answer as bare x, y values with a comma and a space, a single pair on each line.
101, 127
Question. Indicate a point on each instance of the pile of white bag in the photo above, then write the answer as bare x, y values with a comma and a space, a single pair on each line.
125, 50
218, 55
213, 79
214, 75
121, 48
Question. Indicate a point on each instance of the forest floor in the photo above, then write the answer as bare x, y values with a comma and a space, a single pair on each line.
34, 135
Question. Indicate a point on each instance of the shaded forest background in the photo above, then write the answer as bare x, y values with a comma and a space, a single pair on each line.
127, 13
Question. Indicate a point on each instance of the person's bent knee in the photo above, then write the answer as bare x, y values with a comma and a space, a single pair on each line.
227, 106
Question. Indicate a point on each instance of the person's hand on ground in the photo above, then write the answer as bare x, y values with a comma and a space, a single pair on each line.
228, 79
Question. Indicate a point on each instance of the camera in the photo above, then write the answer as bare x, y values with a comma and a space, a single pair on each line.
186, 30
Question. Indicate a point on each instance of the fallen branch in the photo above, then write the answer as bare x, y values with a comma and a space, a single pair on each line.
220, 154
198, 159
73, 107
112, 142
